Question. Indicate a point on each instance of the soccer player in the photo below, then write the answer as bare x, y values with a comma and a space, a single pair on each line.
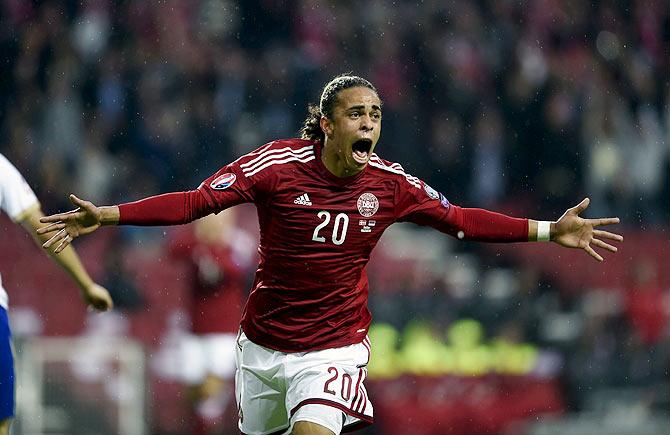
323, 203
217, 260
20, 203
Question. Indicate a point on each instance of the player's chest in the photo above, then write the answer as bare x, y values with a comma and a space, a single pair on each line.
334, 215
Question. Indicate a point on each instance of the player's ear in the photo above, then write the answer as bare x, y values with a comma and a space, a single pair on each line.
326, 126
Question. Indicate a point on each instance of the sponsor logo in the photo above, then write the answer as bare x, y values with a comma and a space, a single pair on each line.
432, 193
223, 182
444, 201
368, 204
302, 200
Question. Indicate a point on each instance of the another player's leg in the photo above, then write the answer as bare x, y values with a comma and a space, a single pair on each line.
309, 428
6, 374
208, 367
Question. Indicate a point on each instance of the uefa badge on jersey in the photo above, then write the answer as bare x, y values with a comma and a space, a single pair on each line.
432, 193
444, 201
368, 204
223, 182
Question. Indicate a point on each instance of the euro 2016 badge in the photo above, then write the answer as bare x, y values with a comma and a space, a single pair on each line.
223, 181
368, 204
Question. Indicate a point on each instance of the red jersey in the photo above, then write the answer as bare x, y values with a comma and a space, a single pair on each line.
317, 232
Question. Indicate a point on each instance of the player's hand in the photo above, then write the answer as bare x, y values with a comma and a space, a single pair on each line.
97, 297
69, 225
573, 231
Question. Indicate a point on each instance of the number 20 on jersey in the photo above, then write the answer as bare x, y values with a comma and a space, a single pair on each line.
339, 233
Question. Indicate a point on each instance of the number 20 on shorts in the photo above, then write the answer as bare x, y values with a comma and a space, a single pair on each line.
346, 383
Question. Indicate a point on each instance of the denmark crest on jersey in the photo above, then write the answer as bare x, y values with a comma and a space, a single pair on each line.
368, 204
223, 181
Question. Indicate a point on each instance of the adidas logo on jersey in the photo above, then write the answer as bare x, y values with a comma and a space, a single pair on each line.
302, 200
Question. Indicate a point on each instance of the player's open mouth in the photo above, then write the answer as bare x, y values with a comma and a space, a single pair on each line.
361, 150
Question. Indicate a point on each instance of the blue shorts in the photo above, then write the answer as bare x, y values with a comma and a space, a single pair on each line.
6, 368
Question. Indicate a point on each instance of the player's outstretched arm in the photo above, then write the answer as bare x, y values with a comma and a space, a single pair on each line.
93, 294
573, 231
67, 226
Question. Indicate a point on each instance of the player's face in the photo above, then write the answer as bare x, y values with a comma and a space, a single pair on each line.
354, 130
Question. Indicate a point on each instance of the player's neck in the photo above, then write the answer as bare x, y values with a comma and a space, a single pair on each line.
335, 164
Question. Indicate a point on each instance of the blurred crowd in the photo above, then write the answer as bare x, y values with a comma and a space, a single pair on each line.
520, 106
489, 101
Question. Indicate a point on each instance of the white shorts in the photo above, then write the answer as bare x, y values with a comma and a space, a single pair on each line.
276, 389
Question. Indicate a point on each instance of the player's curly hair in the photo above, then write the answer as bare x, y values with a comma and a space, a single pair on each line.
311, 128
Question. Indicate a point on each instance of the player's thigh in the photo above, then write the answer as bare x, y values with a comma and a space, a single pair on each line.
6, 369
260, 393
317, 419
309, 428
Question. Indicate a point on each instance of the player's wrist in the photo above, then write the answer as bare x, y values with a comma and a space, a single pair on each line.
544, 231
109, 215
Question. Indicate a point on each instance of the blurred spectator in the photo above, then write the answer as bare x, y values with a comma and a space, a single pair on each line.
647, 303
118, 278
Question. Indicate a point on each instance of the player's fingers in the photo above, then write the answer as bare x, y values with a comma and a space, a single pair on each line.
76, 201
593, 253
66, 241
581, 206
103, 304
106, 304
55, 238
601, 244
51, 227
608, 235
52, 218
604, 221
68, 215
86, 205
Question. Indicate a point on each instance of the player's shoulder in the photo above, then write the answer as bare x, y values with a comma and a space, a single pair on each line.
8, 172
4, 163
392, 170
277, 155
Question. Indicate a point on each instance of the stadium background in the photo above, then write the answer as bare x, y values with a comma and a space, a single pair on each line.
523, 107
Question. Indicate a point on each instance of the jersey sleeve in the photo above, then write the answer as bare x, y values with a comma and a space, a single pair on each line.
421, 204
17, 199
226, 188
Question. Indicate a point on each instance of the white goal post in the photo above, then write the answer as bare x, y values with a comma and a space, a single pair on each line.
117, 365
